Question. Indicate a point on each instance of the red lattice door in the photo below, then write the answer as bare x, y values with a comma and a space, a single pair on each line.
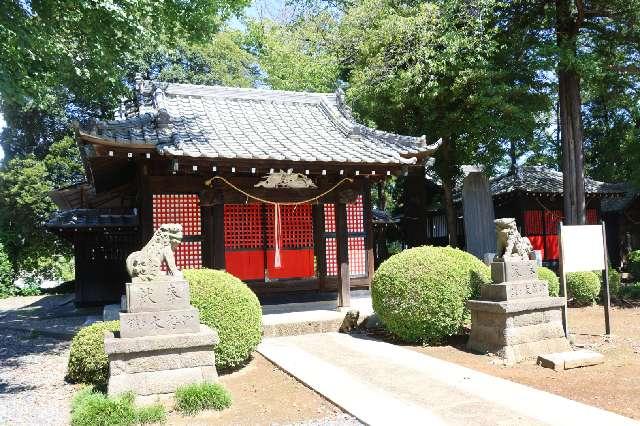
250, 242
355, 238
185, 210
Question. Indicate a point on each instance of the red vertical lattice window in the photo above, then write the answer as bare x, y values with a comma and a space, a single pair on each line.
185, 210
296, 226
592, 217
552, 219
243, 227
533, 224
355, 239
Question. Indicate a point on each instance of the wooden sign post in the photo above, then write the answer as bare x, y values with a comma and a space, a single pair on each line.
583, 248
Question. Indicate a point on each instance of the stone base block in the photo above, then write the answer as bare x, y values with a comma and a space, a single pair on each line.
573, 359
153, 366
517, 334
148, 383
136, 324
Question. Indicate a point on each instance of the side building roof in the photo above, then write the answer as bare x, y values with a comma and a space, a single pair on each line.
216, 122
544, 181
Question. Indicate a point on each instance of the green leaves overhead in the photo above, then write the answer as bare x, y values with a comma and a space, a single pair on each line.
54, 51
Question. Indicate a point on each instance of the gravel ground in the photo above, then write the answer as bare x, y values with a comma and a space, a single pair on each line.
32, 387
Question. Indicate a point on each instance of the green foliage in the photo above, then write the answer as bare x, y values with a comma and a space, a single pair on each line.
583, 287
631, 291
228, 305
297, 56
88, 362
202, 396
54, 51
90, 408
6, 274
221, 60
633, 261
25, 205
420, 293
551, 278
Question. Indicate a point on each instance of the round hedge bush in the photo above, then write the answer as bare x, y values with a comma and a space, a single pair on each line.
633, 261
546, 274
615, 283
584, 287
88, 361
420, 293
228, 305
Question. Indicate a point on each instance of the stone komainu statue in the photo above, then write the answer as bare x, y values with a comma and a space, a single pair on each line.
510, 244
146, 264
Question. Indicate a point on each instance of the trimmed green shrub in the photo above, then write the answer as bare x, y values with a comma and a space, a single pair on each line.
90, 408
228, 305
584, 287
420, 293
546, 274
615, 285
88, 361
202, 396
634, 263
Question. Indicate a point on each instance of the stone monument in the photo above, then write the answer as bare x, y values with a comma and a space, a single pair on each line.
161, 344
516, 318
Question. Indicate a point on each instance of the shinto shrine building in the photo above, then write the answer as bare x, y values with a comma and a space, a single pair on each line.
210, 158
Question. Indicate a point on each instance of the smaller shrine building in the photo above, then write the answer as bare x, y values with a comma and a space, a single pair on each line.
210, 158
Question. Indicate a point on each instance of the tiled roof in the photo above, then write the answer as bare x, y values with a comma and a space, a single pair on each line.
538, 179
93, 218
233, 123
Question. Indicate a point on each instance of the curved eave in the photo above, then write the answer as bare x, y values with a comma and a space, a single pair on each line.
112, 143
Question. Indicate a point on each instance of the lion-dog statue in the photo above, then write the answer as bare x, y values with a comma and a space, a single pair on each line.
146, 264
510, 244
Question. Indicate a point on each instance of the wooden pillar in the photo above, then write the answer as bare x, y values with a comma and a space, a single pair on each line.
145, 197
320, 245
342, 245
368, 238
206, 216
218, 236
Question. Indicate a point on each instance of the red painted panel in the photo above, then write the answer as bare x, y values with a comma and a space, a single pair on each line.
246, 265
537, 241
552, 219
294, 264
552, 250
592, 217
533, 222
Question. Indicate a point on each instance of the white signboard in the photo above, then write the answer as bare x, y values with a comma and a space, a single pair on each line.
582, 248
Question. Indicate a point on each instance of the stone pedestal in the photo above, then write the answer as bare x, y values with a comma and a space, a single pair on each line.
516, 318
161, 344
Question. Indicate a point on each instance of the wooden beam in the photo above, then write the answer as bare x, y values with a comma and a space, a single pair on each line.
145, 197
342, 245
206, 217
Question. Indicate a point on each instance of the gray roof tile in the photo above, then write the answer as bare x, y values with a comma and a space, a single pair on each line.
227, 123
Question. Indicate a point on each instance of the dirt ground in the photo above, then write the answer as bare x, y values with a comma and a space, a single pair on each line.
614, 385
264, 395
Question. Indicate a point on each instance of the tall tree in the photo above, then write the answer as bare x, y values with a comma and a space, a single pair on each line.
427, 69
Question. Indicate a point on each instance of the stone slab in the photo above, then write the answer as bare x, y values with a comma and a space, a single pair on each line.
154, 296
307, 322
516, 335
514, 290
517, 305
205, 337
571, 359
168, 359
160, 382
521, 270
512, 354
136, 324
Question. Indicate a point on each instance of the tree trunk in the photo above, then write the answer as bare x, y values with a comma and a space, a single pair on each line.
448, 177
570, 116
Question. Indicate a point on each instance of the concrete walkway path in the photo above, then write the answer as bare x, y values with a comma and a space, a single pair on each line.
384, 384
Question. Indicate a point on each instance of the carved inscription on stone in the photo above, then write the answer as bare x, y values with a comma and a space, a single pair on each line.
157, 323
157, 296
